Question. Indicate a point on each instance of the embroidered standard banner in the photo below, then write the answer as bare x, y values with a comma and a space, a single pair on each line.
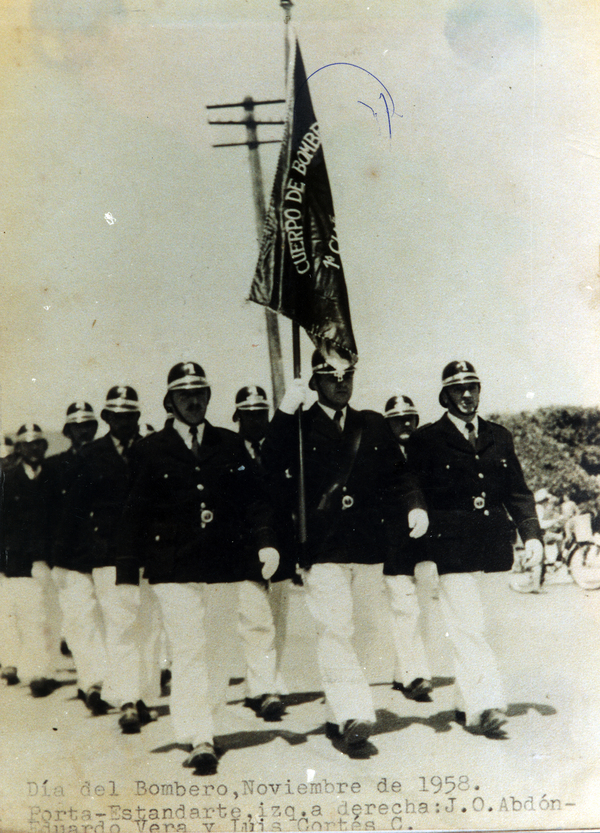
299, 272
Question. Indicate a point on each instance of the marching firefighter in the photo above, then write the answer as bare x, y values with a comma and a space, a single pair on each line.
193, 509
31, 638
82, 619
354, 479
263, 606
87, 546
474, 486
411, 675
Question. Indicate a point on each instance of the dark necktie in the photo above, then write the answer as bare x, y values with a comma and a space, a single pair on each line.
256, 450
472, 435
337, 419
194, 436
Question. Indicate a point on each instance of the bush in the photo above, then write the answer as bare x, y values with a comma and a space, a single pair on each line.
559, 449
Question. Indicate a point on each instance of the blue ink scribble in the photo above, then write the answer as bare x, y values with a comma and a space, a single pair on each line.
387, 112
386, 97
369, 106
376, 115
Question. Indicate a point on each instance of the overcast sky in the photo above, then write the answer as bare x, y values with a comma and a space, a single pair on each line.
471, 232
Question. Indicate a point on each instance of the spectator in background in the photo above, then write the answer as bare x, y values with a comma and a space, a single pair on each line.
552, 523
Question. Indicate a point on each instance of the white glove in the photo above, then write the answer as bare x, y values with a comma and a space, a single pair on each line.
270, 561
294, 396
418, 521
534, 553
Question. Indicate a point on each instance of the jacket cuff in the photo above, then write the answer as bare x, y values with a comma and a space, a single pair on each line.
265, 537
415, 500
530, 528
128, 571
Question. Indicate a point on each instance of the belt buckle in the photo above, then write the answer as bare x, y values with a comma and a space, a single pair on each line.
206, 517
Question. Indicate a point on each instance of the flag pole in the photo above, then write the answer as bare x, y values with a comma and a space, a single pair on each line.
286, 5
301, 486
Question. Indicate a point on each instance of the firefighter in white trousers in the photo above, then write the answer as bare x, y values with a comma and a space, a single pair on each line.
476, 495
31, 641
195, 520
87, 543
411, 674
354, 480
263, 606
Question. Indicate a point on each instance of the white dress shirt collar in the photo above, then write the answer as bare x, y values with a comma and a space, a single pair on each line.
462, 426
117, 444
183, 429
250, 448
331, 412
30, 471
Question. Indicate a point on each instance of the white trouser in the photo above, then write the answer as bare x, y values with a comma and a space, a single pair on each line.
27, 638
43, 573
262, 620
477, 673
195, 692
410, 657
132, 626
329, 598
83, 627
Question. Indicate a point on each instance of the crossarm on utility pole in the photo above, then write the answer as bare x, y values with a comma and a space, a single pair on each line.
252, 142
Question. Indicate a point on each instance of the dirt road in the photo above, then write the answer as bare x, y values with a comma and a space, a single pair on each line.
63, 771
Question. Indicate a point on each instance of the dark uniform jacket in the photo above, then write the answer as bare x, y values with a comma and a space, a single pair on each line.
404, 552
470, 494
345, 522
25, 524
277, 488
193, 519
87, 535
64, 469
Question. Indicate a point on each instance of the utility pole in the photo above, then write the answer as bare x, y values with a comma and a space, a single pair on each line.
252, 142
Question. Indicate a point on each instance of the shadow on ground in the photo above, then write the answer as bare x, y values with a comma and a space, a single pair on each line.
296, 699
243, 740
436, 682
387, 721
